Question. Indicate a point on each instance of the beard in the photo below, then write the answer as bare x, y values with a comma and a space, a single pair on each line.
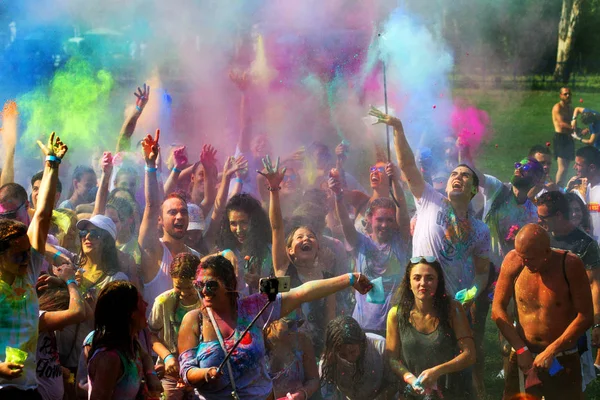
521, 182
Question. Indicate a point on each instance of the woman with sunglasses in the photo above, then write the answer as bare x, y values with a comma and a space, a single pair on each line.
428, 339
291, 359
222, 320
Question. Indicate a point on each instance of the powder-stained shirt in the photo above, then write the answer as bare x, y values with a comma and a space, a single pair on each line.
19, 320
592, 199
49, 372
504, 216
248, 360
452, 241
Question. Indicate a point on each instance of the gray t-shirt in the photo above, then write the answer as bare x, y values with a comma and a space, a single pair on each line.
581, 244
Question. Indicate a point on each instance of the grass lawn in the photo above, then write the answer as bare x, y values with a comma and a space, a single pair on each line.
520, 119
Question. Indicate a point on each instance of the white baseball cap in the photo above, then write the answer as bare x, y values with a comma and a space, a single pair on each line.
196, 219
102, 222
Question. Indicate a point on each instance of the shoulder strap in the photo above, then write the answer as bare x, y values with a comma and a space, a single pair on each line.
222, 343
564, 266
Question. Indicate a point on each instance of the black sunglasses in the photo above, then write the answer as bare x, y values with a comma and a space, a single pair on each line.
93, 233
11, 214
211, 286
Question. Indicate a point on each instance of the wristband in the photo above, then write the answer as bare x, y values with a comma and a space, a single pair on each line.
596, 326
72, 281
138, 108
53, 159
225, 252
574, 118
150, 169
273, 189
56, 255
238, 180
408, 376
522, 350
170, 355
175, 169
352, 279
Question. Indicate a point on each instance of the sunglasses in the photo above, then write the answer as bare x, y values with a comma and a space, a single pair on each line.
211, 286
524, 167
293, 324
12, 214
93, 233
419, 259
20, 257
377, 169
545, 217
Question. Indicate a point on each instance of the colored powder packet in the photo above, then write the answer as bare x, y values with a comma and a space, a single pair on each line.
466, 295
555, 368
16, 356
376, 295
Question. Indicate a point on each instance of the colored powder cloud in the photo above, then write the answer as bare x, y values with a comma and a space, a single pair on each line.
470, 124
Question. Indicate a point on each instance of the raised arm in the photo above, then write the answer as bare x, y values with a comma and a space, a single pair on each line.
242, 81
231, 167
102, 193
40, 223
180, 162
576, 112
406, 158
402, 217
10, 122
208, 158
148, 238
124, 141
76, 313
314, 290
274, 177
342, 212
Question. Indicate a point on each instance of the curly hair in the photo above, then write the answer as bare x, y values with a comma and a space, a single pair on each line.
259, 231
342, 330
405, 299
224, 271
117, 302
184, 266
10, 229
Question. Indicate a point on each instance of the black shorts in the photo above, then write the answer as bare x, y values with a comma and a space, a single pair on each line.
564, 146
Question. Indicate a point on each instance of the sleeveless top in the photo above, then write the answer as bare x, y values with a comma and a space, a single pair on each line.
421, 351
129, 383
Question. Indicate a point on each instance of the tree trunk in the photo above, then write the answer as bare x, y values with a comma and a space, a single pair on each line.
567, 26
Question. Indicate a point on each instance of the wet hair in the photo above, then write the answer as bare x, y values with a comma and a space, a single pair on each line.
40, 175
109, 256
405, 299
586, 221
184, 266
78, 175
117, 302
10, 229
258, 236
12, 191
590, 155
588, 117
556, 202
342, 330
55, 297
538, 148
223, 270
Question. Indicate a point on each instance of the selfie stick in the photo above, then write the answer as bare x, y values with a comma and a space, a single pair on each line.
387, 128
271, 299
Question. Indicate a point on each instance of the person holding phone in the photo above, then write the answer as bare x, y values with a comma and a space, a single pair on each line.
207, 333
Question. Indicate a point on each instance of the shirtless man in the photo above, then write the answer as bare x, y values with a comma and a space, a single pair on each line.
564, 146
554, 308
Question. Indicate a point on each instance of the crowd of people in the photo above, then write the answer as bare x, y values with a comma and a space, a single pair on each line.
137, 285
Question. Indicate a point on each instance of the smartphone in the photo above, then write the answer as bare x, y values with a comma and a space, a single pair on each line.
274, 285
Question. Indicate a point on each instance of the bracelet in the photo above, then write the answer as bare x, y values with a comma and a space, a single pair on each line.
522, 350
56, 255
305, 393
175, 169
352, 279
170, 355
138, 108
238, 180
271, 189
150, 169
53, 159
574, 118
72, 281
596, 326
150, 372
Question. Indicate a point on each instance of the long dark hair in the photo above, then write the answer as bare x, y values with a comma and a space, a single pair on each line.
109, 256
586, 223
258, 236
54, 297
224, 271
342, 330
117, 302
405, 299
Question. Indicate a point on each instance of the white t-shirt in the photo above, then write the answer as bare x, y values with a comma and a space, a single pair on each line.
592, 199
451, 241
49, 371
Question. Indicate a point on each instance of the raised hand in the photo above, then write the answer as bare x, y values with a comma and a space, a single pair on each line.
208, 156
65, 272
106, 162
334, 184
10, 115
383, 118
150, 147
233, 165
391, 171
362, 284
180, 158
240, 79
54, 148
273, 175
142, 94
341, 150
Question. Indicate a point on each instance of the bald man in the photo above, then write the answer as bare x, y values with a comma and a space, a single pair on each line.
554, 308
